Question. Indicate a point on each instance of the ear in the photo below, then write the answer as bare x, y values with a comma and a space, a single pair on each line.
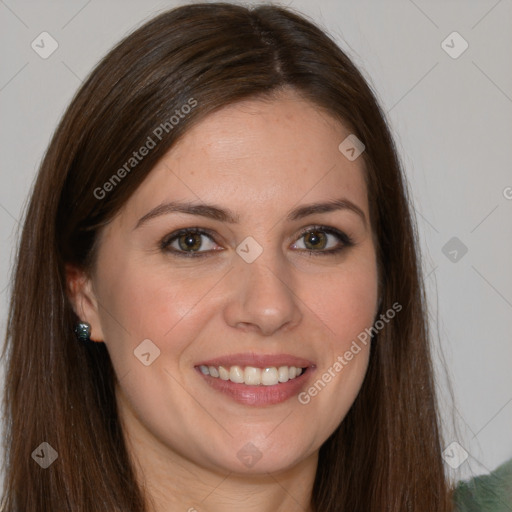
83, 299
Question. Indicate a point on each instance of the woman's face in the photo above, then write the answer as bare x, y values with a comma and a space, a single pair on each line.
207, 265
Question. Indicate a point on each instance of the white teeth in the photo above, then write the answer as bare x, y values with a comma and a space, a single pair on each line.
284, 375
236, 374
269, 376
223, 373
252, 376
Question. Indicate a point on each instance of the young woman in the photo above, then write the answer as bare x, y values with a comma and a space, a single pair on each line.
217, 301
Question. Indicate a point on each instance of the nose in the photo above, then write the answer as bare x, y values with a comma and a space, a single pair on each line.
261, 297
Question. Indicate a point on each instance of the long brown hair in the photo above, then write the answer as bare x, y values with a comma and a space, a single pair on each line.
385, 455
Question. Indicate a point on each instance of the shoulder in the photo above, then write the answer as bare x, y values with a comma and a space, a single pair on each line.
486, 493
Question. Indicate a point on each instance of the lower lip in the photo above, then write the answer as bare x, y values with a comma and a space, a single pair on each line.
259, 395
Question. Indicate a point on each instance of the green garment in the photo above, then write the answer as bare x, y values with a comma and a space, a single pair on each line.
486, 493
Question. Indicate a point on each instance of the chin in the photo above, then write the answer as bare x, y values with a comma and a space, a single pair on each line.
253, 457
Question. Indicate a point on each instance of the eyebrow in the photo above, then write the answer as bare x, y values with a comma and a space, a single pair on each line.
226, 215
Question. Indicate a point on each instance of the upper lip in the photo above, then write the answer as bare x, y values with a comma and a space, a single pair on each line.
258, 360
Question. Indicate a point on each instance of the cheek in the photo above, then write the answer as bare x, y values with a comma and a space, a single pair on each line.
344, 301
344, 306
139, 302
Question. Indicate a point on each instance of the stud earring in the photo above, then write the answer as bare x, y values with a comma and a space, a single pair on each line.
83, 332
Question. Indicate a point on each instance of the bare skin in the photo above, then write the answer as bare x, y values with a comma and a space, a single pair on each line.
259, 159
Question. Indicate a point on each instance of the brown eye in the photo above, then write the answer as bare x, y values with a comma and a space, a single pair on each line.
320, 240
189, 242
315, 240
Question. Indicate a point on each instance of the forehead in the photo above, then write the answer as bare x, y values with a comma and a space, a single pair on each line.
257, 157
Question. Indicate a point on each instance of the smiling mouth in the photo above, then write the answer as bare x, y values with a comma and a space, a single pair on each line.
256, 379
253, 376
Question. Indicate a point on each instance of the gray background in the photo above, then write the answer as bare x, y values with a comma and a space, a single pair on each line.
452, 121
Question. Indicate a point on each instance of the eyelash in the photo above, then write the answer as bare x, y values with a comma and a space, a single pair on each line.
345, 239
